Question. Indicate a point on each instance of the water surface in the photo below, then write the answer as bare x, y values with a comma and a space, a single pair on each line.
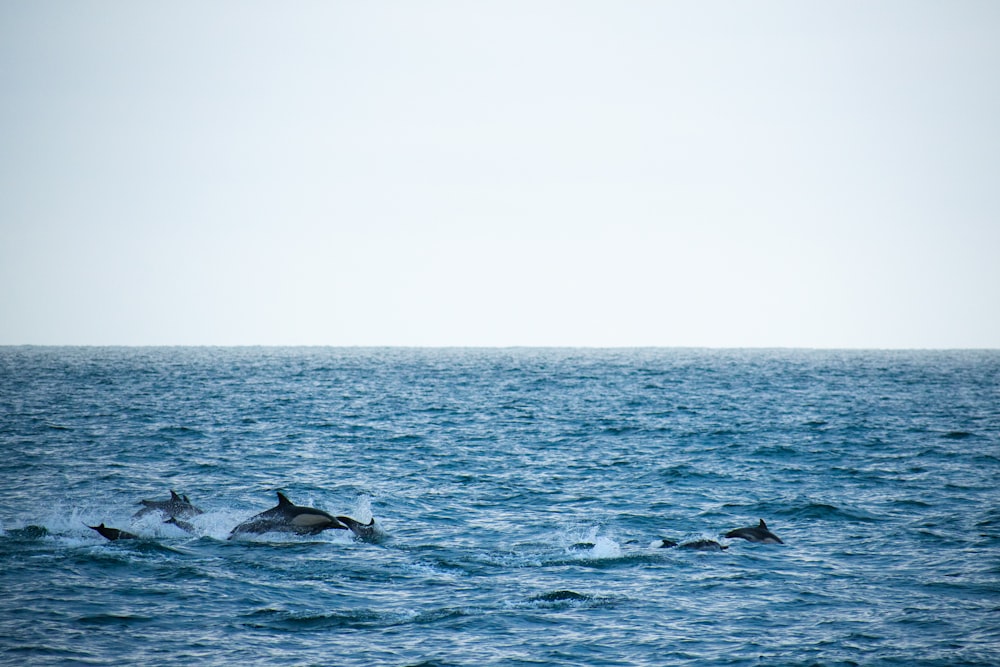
518, 491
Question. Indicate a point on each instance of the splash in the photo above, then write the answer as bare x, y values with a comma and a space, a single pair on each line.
594, 546
605, 547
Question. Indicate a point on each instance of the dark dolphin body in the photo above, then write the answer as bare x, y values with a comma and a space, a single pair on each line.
178, 507
758, 533
697, 545
287, 517
113, 534
703, 545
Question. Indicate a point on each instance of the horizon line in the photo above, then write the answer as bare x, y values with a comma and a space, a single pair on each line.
496, 347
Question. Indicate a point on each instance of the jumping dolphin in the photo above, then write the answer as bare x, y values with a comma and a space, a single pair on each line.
287, 517
178, 507
113, 534
758, 533
181, 523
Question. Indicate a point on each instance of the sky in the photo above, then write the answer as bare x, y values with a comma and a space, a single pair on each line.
500, 173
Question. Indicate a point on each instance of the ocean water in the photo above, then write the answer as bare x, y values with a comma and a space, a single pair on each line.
518, 494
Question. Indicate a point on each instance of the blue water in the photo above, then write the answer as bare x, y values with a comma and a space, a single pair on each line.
518, 493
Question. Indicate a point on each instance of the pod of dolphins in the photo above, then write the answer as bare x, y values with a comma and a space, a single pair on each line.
287, 517
758, 533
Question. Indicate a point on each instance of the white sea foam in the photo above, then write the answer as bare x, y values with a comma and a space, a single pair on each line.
605, 547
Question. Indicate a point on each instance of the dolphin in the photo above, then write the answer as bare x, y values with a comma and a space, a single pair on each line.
697, 545
178, 507
287, 517
703, 545
180, 523
113, 534
758, 533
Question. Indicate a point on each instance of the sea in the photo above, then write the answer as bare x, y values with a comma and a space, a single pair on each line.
520, 498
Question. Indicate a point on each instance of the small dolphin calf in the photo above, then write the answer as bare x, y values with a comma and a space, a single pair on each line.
287, 517
113, 534
178, 507
758, 533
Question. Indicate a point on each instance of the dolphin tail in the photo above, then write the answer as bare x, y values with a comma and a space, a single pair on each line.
366, 531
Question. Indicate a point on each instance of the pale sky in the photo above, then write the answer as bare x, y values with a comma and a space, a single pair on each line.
721, 174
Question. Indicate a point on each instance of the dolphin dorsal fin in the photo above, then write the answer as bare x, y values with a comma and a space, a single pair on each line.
762, 525
173, 495
282, 500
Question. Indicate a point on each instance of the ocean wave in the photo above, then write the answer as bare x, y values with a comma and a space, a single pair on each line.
124, 620
827, 512
566, 599
352, 619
